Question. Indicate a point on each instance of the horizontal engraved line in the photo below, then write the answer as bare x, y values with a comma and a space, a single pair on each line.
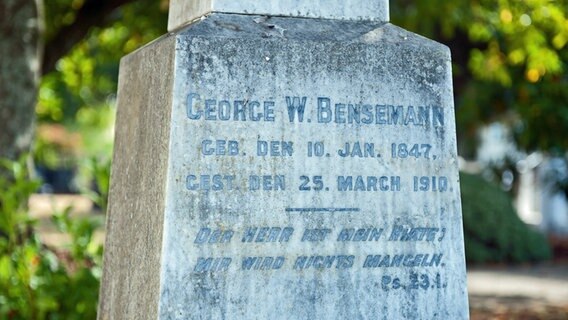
322, 209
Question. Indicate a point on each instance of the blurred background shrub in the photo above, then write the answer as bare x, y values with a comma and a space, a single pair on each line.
38, 281
493, 231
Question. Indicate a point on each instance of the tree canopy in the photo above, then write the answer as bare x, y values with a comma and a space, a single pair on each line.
510, 59
84, 43
86, 74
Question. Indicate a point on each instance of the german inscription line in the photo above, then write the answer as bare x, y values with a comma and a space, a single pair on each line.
266, 235
283, 235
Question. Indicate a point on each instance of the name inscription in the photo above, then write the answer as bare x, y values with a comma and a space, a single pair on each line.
327, 111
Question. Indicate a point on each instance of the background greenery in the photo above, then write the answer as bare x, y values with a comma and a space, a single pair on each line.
37, 281
509, 59
509, 64
492, 229
78, 96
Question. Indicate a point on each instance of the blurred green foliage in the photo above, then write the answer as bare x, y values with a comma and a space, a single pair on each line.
99, 169
38, 282
87, 76
493, 231
510, 60
80, 93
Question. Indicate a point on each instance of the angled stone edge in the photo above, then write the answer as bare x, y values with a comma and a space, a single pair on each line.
133, 247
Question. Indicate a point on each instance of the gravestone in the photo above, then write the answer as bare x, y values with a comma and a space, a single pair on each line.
285, 160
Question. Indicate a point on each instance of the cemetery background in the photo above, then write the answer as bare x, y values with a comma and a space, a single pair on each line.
509, 68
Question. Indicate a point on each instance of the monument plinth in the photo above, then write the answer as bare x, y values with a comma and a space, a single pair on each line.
285, 165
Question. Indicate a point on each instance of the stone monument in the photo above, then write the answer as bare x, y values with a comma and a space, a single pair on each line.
285, 160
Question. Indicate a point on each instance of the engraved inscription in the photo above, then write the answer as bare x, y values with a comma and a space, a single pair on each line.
402, 253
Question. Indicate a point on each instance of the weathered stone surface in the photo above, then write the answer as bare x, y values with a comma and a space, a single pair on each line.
184, 11
307, 170
132, 261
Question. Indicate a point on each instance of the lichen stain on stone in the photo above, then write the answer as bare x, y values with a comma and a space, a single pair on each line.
373, 36
228, 25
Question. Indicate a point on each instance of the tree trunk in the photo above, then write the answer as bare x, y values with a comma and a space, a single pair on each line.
20, 53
